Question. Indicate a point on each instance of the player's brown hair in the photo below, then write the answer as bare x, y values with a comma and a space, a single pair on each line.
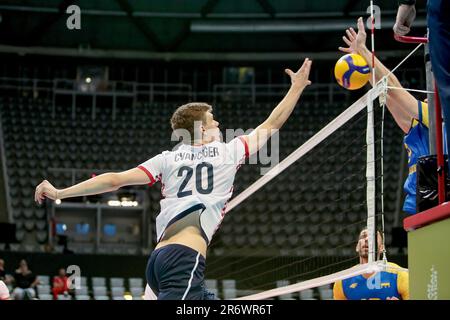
185, 116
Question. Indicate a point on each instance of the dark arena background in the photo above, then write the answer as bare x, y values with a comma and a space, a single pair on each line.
78, 100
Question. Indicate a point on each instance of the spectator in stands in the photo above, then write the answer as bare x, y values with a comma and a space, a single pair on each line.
4, 292
410, 114
25, 281
6, 278
2, 270
60, 285
392, 284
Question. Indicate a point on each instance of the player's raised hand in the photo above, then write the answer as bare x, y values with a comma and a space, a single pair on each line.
355, 41
300, 79
45, 190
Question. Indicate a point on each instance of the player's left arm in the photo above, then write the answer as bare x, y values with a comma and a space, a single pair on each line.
299, 81
106, 182
403, 284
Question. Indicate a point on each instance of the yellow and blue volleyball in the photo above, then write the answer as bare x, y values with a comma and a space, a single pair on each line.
352, 71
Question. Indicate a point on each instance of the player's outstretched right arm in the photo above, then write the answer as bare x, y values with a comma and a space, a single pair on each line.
401, 104
299, 81
106, 182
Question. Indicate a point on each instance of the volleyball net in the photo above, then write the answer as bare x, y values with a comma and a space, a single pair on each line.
310, 210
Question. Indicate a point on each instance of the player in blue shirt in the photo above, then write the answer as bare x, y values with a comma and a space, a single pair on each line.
410, 114
392, 284
438, 22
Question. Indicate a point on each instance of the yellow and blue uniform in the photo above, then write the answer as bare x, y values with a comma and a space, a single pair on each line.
416, 142
392, 283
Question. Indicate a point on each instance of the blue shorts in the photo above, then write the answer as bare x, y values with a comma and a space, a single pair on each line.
176, 272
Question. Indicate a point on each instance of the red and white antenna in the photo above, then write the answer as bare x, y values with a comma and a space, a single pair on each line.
372, 18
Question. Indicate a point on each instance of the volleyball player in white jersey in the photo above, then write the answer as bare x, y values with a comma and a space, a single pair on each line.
197, 181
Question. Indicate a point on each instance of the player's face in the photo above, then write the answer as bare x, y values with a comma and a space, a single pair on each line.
211, 128
363, 244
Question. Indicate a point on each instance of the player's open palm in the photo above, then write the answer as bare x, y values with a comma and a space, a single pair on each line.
45, 190
300, 79
355, 41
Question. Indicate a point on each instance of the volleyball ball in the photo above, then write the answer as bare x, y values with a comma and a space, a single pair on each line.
352, 71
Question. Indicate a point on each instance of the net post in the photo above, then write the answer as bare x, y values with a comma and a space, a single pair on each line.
370, 177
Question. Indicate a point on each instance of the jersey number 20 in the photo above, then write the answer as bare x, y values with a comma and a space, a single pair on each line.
198, 179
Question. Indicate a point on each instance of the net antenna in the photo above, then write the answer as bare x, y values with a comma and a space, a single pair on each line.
382, 100
372, 39
370, 168
370, 177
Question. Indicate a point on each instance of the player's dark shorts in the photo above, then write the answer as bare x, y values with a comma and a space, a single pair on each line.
176, 272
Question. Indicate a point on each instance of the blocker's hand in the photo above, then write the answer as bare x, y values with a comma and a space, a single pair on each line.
45, 190
356, 42
299, 79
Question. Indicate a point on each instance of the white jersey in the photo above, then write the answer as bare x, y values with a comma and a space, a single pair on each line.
196, 178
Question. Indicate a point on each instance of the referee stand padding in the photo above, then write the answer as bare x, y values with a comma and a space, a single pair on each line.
429, 253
